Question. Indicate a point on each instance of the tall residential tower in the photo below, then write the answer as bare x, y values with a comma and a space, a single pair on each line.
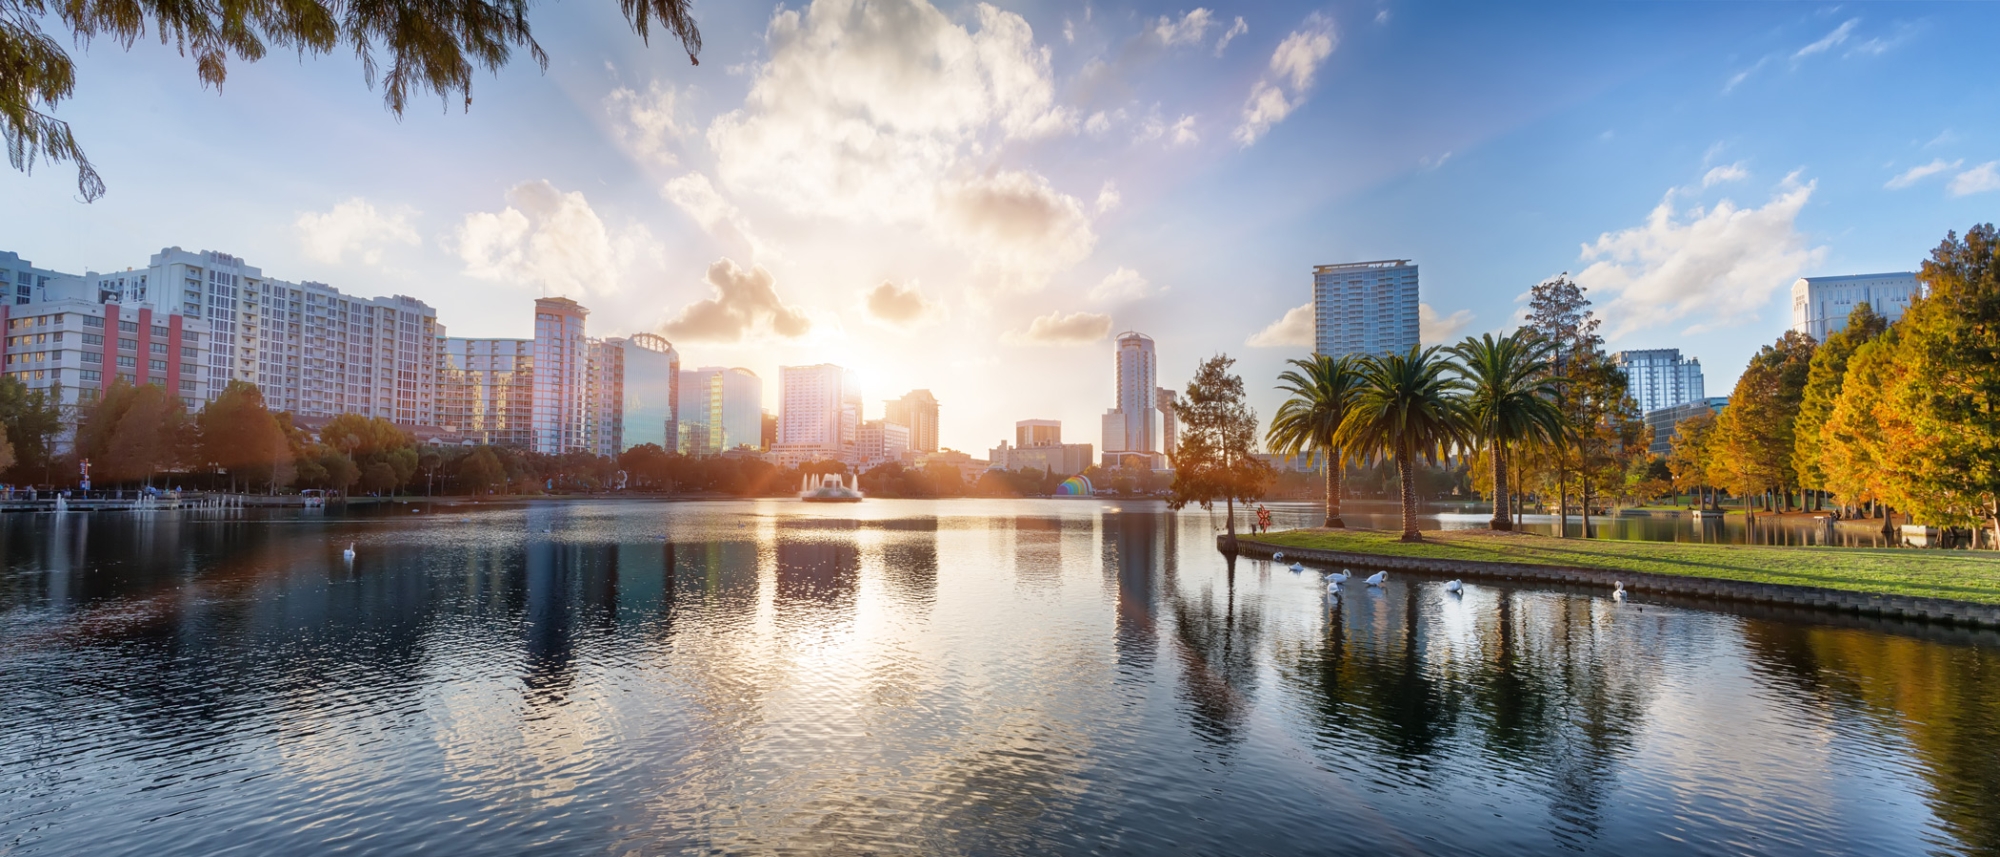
1365, 308
1132, 429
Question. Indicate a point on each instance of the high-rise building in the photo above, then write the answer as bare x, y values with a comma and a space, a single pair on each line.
605, 400
652, 390
1132, 428
918, 410
21, 281
819, 414
1038, 433
1820, 305
879, 441
486, 390
720, 410
1170, 422
1365, 308
80, 347
562, 377
1660, 377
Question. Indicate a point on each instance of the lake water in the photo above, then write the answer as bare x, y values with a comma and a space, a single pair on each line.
958, 677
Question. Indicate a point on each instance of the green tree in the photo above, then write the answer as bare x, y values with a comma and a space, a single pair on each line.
32, 419
1214, 458
1409, 407
429, 48
1688, 459
481, 472
240, 436
1511, 399
1755, 434
1321, 389
1823, 379
1559, 315
1949, 389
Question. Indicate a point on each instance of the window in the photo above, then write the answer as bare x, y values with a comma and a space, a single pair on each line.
128, 344
157, 347
157, 365
92, 321
160, 331
128, 327
124, 377
58, 336
92, 357
90, 375
125, 362
93, 339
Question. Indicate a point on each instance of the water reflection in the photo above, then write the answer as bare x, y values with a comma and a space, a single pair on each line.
1017, 677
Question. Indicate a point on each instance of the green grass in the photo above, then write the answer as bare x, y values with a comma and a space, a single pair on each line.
1958, 575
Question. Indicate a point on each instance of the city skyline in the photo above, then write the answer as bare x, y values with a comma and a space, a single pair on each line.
1671, 179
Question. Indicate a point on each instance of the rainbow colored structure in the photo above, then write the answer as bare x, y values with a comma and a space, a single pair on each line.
1075, 486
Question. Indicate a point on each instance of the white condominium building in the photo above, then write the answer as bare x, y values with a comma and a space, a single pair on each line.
605, 408
1820, 305
1365, 308
78, 348
880, 441
562, 377
819, 414
1132, 429
486, 390
1659, 377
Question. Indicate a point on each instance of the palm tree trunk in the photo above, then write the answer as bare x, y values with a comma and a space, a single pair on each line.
1406, 469
1501, 520
1333, 468
1562, 504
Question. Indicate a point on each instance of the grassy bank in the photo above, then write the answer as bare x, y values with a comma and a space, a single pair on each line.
1959, 575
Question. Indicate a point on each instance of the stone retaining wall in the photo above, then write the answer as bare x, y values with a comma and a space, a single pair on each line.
1895, 606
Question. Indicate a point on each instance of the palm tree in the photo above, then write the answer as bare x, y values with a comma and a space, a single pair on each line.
1511, 399
1322, 389
1409, 405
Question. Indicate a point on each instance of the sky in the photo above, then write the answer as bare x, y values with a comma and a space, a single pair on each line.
976, 198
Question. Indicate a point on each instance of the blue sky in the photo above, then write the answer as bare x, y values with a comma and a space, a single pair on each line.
972, 198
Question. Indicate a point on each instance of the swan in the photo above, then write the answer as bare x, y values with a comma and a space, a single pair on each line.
1278, 557
1454, 587
1377, 578
1296, 568
1338, 577
349, 553
1619, 593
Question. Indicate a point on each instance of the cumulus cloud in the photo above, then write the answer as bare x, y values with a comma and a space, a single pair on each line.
1229, 35
1078, 328
1123, 284
1107, 197
647, 123
551, 239
1435, 330
1183, 133
745, 305
354, 226
1979, 179
695, 195
1187, 31
1293, 330
1920, 172
1725, 173
1715, 267
900, 306
1293, 64
1014, 224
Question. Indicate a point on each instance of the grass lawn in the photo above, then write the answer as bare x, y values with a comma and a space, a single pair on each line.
1955, 574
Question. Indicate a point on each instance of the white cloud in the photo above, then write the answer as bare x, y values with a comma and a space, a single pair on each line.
1295, 62
551, 239
1123, 284
1920, 172
889, 112
1429, 163
646, 123
1725, 173
1188, 31
1979, 179
1432, 330
1098, 123
1229, 35
1382, 17
1183, 132
1079, 328
1294, 329
1737, 79
901, 306
694, 194
1107, 197
354, 226
1830, 41
745, 305
1716, 267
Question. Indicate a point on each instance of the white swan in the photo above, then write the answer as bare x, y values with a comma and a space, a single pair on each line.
1338, 577
349, 553
1278, 557
1619, 593
1296, 568
1377, 578
1454, 587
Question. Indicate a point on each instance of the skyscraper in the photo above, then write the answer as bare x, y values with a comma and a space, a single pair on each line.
720, 410
1820, 305
819, 414
1132, 428
486, 390
604, 408
562, 377
1365, 308
652, 390
1659, 377
918, 410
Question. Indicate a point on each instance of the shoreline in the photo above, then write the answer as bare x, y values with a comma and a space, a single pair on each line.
1948, 587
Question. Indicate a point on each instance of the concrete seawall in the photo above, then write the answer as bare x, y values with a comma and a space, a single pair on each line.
1894, 606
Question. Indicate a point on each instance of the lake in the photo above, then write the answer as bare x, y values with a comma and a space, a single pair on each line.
910, 677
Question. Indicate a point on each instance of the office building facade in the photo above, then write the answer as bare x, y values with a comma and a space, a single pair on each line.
486, 390
878, 442
604, 406
819, 414
1131, 435
1820, 305
1365, 308
561, 377
918, 410
1038, 433
652, 390
720, 410
1660, 377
